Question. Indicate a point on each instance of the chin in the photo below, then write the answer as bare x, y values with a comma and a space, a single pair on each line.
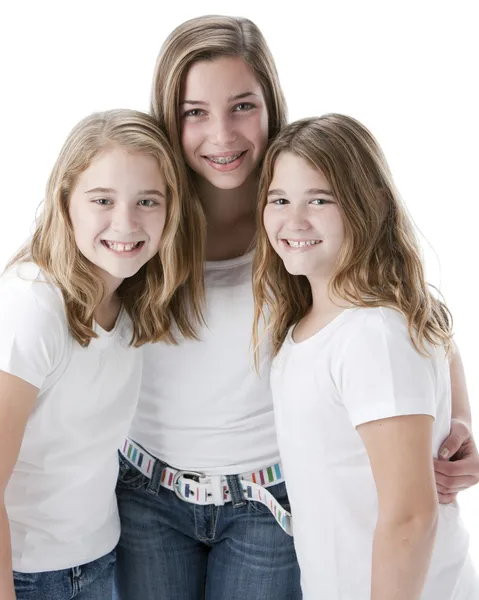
227, 183
292, 270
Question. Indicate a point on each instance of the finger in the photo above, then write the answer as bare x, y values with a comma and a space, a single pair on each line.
446, 498
457, 468
452, 490
450, 446
463, 481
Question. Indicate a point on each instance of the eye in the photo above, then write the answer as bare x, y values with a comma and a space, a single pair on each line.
194, 112
279, 201
243, 106
320, 201
148, 203
102, 201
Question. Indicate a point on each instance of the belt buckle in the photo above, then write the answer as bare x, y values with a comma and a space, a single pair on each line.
177, 476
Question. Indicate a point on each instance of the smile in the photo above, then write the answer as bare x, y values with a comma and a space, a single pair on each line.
121, 247
224, 160
301, 243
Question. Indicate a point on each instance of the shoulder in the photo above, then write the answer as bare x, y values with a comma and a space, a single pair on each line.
29, 300
373, 327
25, 286
377, 340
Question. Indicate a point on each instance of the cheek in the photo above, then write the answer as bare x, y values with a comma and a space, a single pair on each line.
270, 223
189, 135
258, 132
156, 227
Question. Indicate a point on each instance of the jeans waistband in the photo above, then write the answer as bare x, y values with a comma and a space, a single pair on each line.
197, 488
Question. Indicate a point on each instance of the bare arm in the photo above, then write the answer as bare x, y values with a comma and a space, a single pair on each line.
399, 451
17, 398
461, 408
457, 467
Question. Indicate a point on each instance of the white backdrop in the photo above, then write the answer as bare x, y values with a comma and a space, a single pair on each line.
407, 69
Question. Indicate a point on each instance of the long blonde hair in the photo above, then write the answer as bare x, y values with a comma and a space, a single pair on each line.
167, 289
380, 261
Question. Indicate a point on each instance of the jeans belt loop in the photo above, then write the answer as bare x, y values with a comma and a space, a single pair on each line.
154, 485
236, 491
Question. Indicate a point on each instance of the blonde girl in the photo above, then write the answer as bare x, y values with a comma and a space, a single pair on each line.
360, 378
107, 269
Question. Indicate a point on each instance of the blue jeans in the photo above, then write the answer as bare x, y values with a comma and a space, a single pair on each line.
93, 581
173, 550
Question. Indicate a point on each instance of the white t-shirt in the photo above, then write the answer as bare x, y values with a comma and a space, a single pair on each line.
202, 405
360, 367
61, 497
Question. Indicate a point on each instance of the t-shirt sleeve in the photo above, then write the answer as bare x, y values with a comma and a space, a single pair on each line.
31, 331
381, 374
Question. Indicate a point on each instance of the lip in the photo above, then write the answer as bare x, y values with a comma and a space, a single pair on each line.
223, 154
224, 168
124, 254
288, 248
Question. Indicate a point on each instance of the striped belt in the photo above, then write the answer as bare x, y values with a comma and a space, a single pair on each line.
198, 488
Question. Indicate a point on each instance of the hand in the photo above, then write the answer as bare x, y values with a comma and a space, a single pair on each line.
457, 467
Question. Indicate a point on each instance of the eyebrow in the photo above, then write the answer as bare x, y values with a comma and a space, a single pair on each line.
311, 191
104, 190
230, 99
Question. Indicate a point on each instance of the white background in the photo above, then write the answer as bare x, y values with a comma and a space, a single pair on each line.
407, 69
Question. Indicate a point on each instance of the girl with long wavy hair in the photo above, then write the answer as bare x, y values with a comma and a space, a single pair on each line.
201, 492
107, 270
360, 379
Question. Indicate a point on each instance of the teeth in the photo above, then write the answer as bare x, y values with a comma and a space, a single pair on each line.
302, 244
119, 247
224, 160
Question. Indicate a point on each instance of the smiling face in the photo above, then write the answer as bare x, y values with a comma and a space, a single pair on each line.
302, 218
118, 211
224, 121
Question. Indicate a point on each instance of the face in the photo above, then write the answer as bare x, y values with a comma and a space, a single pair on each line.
302, 218
224, 121
118, 212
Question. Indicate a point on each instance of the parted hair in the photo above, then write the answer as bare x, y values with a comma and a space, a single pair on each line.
380, 262
167, 290
206, 38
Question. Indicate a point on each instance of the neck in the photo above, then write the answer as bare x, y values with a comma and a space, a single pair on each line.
325, 303
223, 207
108, 309
230, 216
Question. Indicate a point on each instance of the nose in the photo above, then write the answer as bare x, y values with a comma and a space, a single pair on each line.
222, 132
298, 218
124, 219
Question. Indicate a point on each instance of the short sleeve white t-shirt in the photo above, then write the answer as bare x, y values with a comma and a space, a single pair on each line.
202, 405
60, 499
360, 367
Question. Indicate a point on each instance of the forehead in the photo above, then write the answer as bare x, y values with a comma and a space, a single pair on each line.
118, 166
221, 77
295, 174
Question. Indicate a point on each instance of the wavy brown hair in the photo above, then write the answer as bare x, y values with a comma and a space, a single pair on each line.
380, 262
168, 290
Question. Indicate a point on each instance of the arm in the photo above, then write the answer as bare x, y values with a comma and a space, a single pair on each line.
399, 451
457, 468
461, 408
17, 398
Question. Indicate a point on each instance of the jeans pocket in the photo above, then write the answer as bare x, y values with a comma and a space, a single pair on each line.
129, 476
281, 495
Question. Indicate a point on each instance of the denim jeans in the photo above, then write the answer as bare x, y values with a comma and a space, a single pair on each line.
173, 550
93, 581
